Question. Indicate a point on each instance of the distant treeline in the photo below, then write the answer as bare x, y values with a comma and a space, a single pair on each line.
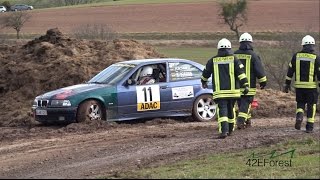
37, 4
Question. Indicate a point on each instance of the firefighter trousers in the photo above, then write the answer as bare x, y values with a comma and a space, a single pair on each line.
226, 113
307, 97
244, 105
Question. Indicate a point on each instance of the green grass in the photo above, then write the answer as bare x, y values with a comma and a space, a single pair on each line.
198, 54
305, 163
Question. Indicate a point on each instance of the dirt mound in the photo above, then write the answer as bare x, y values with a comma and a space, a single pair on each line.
53, 61
273, 103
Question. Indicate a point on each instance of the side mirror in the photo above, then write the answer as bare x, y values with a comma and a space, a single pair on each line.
130, 82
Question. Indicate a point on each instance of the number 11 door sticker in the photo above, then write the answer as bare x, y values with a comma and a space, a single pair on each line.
148, 98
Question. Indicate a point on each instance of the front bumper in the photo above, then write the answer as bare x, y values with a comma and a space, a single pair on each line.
65, 114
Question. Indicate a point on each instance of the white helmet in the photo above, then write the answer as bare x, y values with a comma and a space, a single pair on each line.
146, 71
307, 40
224, 43
245, 37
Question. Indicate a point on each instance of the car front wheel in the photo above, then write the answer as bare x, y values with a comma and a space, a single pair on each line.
90, 110
204, 108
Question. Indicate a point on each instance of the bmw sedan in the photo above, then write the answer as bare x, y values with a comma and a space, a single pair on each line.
114, 94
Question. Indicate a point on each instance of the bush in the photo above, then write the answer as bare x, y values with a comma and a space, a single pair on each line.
7, 4
95, 32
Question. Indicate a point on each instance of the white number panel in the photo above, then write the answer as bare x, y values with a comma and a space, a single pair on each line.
148, 97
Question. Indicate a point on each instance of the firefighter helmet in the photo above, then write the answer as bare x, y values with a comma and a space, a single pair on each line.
245, 37
307, 40
224, 43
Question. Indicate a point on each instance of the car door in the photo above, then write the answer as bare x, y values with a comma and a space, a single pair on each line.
149, 100
185, 84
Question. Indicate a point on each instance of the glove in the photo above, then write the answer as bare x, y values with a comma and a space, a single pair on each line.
204, 85
263, 84
287, 88
246, 90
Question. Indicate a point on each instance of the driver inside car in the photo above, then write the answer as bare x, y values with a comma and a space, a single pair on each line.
146, 76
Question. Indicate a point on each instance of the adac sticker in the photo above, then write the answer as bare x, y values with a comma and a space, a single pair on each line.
148, 97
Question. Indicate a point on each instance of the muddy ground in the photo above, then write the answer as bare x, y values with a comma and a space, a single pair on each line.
105, 150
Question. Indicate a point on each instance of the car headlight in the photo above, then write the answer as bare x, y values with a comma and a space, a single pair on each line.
60, 103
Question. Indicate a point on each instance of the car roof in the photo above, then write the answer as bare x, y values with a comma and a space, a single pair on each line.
157, 60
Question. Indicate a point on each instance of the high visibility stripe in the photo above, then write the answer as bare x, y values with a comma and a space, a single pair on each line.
203, 78
314, 108
290, 65
305, 84
220, 120
263, 79
216, 77
242, 114
306, 55
247, 59
248, 113
231, 73
226, 96
311, 72
234, 117
248, 72
299, 110
297, 70
242, 76
311, 59
227, 59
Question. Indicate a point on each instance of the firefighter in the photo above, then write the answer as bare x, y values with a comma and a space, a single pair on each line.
253, 70
305, 64
227, 71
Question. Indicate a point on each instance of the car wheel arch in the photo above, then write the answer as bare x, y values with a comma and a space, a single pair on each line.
101, 103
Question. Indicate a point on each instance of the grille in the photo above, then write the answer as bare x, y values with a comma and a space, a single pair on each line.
43, 103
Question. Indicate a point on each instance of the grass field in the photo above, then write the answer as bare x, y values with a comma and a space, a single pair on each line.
295, 159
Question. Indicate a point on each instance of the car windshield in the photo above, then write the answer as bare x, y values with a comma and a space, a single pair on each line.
113, 74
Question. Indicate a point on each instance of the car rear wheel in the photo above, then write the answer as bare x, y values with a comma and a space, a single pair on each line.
204, 108
90, 110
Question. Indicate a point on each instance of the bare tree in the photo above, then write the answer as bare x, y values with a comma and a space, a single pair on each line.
234, 14
15, 20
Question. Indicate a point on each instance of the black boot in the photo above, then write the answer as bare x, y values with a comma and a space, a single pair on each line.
231, 128
224, 130
240, 123
299, 119
309, 127
248, 123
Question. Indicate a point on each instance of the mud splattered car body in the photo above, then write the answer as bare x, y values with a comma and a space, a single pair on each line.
114, 95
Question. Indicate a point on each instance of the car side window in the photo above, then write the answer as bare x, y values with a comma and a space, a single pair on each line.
150, 74
183, 71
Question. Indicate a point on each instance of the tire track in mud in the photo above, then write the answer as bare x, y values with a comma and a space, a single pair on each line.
124, 148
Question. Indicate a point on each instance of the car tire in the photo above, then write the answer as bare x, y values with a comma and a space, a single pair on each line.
90, 110
204, 108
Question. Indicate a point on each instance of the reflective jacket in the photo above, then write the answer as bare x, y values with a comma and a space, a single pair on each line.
306, 67
227, 71
253, 66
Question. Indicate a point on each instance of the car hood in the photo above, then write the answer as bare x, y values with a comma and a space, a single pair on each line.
65, 92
